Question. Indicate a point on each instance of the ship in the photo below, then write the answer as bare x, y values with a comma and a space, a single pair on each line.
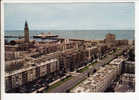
45, 35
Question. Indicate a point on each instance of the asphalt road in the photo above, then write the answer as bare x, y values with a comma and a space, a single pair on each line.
76, 79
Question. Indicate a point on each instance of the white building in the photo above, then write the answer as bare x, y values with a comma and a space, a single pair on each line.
98, 82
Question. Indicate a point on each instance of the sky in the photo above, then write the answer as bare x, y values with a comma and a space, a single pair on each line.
69, 16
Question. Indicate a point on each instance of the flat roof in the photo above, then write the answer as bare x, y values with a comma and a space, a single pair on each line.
28, 68
117, 61
95, 80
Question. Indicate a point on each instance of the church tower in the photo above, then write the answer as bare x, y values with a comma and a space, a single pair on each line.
26, 33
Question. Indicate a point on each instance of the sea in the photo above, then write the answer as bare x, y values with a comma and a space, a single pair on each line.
76, 34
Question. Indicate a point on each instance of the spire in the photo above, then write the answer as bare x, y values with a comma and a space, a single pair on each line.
26, 32
26, 24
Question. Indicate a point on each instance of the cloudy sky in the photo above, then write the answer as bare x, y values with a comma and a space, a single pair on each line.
80, 16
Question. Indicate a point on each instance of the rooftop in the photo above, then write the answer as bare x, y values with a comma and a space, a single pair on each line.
117, 61
30, 66
95, 81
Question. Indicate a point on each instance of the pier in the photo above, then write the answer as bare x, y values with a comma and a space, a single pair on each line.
14, 37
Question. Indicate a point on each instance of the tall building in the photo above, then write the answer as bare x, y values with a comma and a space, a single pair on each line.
110, 37
110, 40
26, 33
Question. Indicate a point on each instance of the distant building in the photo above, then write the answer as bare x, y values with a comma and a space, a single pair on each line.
122, 42
110, 37
26, 33
26, 37
110, 40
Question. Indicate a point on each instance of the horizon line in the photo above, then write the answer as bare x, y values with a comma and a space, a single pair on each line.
62, 29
